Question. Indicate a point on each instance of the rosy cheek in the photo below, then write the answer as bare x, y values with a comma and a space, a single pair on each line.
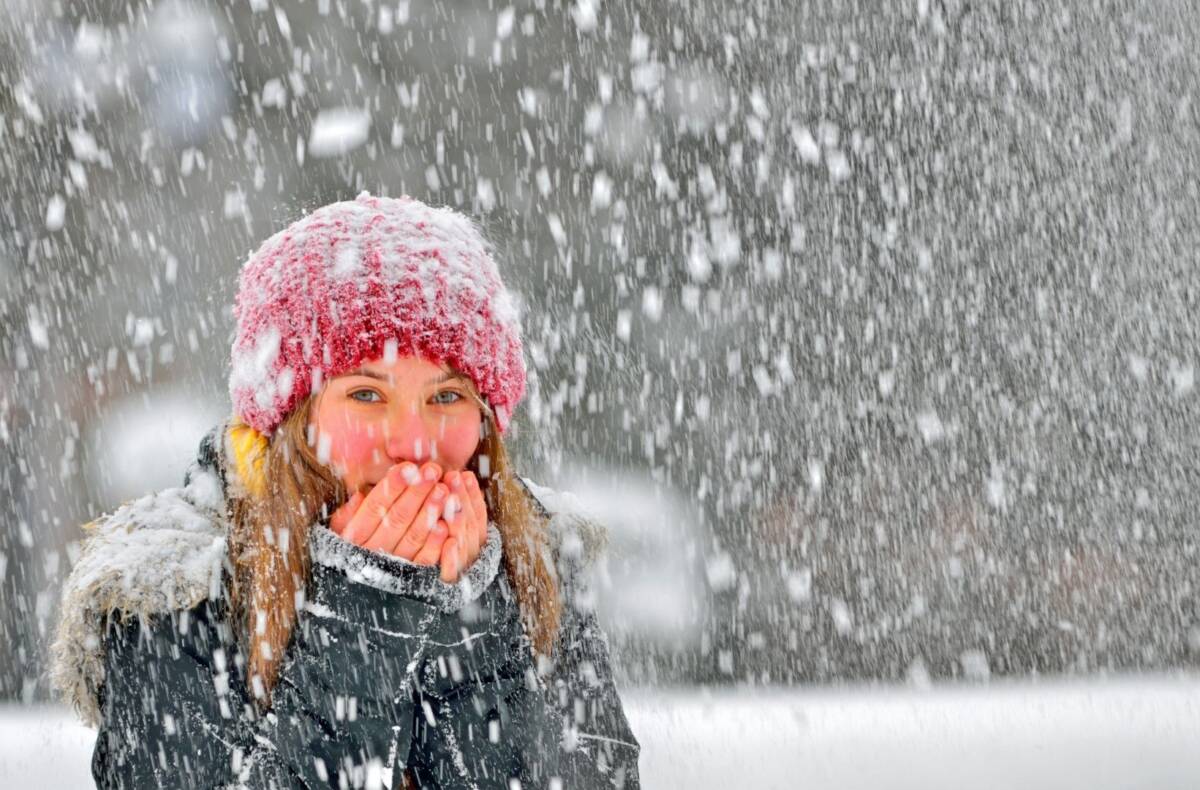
352, 443
457, 442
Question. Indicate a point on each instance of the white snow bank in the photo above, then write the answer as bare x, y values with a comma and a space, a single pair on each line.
1096, 734
44, 747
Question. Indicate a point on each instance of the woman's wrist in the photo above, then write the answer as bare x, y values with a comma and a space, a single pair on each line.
392, 574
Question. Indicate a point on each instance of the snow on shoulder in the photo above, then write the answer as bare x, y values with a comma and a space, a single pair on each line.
156, 554
577, 535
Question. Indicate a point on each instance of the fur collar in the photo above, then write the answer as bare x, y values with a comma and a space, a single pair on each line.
398, 575
158, 554
168, 551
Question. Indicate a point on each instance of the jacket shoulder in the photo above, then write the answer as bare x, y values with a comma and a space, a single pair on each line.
155, 555
578, 539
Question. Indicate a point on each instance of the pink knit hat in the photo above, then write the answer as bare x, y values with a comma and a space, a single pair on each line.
356, 279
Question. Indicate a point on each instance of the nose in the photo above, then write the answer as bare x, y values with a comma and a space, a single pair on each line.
408, 437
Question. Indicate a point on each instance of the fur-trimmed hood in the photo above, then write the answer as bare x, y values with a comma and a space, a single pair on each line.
168, 551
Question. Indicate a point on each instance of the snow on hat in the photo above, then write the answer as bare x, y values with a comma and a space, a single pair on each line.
361, 279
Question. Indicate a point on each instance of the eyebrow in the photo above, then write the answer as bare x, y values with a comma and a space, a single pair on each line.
371, 374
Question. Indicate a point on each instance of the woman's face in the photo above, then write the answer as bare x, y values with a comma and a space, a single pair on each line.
381, 414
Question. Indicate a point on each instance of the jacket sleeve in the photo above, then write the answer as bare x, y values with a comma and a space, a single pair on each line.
600, 748
342, 708
175, 711
169, 713
482, 711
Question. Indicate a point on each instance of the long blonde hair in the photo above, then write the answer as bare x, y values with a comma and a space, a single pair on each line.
285, 489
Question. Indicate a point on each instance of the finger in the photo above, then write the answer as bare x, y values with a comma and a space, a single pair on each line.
432, 550
399, 517
457, 483
369, 515
468, 550
470, 539
465, 494
396, 519
477, 500
404, 510
454, 516
479, 534
479, 509
466, 528
419, 527
342, 516
450, 560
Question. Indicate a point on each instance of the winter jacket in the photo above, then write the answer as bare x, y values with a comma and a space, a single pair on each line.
388, 668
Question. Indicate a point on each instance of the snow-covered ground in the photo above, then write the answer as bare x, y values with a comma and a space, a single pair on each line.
1114, 733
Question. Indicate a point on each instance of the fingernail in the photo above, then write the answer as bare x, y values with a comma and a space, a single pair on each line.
452, 507
431, 473
410, 474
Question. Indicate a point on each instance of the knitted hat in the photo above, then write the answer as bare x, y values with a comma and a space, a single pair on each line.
356, 280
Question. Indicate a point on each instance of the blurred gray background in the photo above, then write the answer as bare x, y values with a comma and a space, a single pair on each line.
871, 328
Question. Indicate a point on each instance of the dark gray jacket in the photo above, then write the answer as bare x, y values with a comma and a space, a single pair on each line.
388, 669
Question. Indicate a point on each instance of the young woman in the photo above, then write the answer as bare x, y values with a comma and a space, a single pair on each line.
353, 587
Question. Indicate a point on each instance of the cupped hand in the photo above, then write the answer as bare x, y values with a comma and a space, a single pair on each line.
414, 515
466, 522
398, 514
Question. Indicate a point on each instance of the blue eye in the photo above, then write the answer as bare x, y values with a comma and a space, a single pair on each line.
457, 397
371, 393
